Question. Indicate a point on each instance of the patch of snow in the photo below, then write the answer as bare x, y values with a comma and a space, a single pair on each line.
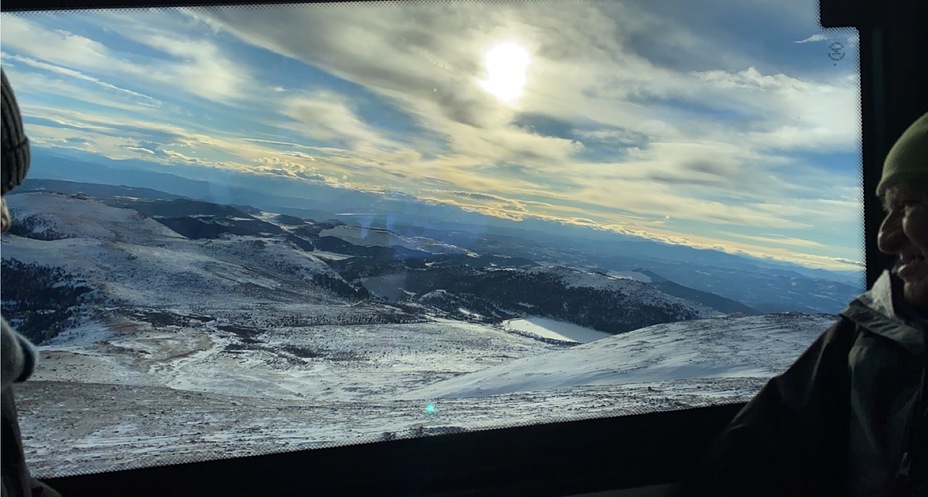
330, 256
630, 275
557, 330
468, 312
86, 334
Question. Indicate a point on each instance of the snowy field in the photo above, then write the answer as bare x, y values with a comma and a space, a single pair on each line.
115, 396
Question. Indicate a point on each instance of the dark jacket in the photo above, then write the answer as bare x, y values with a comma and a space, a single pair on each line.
17, 356
846, 418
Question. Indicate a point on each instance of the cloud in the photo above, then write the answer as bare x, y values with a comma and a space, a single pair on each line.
799, 114
94, 124
199, 66
499, 209
195, 66
495, 205
328, 117
300, 155
142, 99
478, 196
633, 116
814, 38
435, 77
850, 262
852, 41
295, 170
53, 45
272, 142
778, 240
141, 149
38, 86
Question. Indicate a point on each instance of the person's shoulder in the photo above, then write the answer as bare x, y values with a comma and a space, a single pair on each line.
17, 356
843, 330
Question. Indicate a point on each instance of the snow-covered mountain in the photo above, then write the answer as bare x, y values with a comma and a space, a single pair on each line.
755, 346
184, 257
474, 290
134, 260
196, 330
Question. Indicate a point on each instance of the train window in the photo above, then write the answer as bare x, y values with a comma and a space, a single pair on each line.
261, 229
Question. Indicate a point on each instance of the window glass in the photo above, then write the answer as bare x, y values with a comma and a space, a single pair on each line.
261, 229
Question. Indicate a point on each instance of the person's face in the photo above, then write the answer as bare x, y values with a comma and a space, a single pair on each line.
904, 234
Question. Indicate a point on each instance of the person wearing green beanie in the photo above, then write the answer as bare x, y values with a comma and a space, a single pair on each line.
850, 416
904, 231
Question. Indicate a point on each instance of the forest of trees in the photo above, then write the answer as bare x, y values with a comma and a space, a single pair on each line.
40, 301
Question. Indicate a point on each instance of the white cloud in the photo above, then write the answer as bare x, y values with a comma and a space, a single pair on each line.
53, 45
778, 240
328, 116
814, 38
693, 141
197, 65
799, 113
142, 99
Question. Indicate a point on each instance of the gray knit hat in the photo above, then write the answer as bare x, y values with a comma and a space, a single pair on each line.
15, 163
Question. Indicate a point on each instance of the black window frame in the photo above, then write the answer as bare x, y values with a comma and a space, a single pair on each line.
566, 458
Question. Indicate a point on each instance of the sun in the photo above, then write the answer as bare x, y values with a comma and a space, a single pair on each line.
506, 65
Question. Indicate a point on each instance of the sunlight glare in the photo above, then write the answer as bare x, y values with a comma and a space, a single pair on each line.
506, 65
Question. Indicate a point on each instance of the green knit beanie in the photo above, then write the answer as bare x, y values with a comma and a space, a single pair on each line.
908, 159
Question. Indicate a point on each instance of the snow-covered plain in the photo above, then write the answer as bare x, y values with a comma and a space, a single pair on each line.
222, 347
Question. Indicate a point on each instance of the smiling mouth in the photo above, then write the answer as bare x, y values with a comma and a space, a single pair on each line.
912, 268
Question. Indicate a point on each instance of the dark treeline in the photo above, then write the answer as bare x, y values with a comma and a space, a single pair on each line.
40, 301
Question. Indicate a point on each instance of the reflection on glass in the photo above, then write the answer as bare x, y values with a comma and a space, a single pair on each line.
265, 229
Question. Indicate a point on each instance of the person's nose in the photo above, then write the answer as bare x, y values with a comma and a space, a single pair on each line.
891, 237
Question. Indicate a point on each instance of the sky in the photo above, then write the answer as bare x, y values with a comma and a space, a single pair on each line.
730, 124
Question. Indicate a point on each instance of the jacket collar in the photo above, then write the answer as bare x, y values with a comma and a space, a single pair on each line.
876, 312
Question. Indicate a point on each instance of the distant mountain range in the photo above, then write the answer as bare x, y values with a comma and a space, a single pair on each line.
395, 211
136, 249
754, 284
